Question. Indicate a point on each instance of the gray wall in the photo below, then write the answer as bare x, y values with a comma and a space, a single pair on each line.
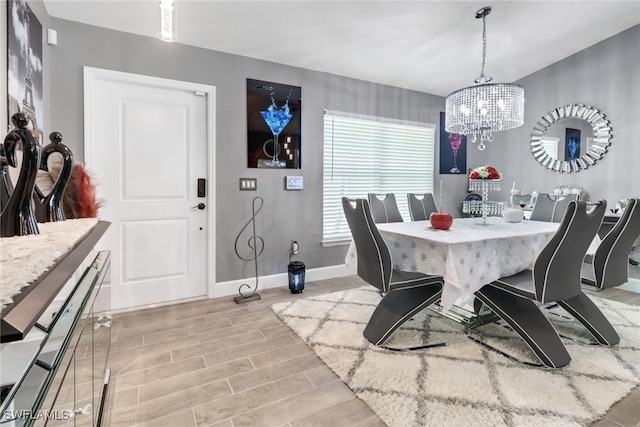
605, 76
286, 215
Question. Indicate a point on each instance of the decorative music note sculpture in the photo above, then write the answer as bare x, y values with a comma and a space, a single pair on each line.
48, 208
252, 242
17, 217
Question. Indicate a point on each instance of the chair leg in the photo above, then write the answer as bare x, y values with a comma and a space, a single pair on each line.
396, 307
526, 319
586, 312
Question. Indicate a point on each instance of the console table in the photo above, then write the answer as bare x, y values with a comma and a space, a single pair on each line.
56, 337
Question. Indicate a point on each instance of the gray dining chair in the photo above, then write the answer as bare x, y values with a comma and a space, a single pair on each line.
609, 266
521, 200
550, 208
384, 209
405, 293
555, 278
421, 209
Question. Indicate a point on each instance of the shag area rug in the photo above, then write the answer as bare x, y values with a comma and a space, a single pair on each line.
23, 259
464, 383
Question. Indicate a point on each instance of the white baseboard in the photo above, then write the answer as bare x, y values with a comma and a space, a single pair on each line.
156, 305
223, 289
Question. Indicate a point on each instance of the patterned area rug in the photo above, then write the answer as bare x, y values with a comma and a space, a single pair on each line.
464, 383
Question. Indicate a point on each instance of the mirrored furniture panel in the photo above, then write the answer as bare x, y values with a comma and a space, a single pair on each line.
56, 372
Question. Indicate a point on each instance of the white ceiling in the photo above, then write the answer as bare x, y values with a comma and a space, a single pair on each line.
429, 46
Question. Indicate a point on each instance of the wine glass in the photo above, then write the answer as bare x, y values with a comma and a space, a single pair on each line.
455, 140
276, 118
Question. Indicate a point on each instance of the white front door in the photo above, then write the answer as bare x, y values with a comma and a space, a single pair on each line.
147, 142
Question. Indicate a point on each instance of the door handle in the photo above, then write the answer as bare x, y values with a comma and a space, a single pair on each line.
200, 206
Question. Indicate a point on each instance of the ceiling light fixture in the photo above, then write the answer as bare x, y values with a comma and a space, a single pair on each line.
484, 108
167, 21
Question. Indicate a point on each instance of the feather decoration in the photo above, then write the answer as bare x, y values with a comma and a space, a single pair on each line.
87, 204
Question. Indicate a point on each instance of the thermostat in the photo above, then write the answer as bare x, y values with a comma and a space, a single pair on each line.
294, 182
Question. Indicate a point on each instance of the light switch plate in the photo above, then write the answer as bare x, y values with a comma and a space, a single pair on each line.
294, 182
250, 184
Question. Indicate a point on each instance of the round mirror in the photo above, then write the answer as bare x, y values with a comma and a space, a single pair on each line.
570, 138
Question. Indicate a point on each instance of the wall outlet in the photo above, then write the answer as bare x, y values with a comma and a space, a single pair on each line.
295, 247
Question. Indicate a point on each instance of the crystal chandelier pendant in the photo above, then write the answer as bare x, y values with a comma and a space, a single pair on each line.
486, 107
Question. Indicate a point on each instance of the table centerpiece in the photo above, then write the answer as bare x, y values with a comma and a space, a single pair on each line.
484, 178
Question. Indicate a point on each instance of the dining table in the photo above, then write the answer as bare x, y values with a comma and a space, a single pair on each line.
469, 254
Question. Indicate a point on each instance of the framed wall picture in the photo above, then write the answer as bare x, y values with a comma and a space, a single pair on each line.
572, 144
273, 125
453, 151
24, 63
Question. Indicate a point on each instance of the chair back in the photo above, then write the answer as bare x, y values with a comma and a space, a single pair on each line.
521, 200
421, 209
551, 209
384, 210
375, 264
557, 269
611, 260
560, 206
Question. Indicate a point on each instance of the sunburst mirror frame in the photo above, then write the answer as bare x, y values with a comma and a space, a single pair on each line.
601, 138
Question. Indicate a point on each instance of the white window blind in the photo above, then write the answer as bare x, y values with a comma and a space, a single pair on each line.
550, 146
372, 155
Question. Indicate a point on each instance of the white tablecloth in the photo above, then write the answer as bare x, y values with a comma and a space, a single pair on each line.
468, 255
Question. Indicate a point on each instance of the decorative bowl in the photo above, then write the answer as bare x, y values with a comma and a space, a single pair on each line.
512, 214
441, 220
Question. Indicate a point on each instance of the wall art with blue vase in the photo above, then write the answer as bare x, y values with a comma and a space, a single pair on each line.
572, 144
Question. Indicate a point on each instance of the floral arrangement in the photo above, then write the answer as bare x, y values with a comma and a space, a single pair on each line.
485, 172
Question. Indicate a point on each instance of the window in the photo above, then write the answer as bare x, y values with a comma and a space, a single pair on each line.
372, 155
550, 146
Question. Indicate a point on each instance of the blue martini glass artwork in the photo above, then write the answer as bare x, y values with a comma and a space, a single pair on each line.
277, 119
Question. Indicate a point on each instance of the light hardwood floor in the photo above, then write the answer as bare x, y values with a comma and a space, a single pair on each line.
217, 363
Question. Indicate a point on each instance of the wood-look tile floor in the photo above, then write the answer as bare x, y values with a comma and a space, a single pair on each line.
217, 363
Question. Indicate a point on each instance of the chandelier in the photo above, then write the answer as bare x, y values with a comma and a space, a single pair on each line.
485, 108
167, 21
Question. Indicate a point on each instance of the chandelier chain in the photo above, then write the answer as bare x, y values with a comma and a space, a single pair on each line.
484, 44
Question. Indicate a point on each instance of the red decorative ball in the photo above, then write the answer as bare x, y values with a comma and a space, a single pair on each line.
441, 220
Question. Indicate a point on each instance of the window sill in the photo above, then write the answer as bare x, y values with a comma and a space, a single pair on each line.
339, 242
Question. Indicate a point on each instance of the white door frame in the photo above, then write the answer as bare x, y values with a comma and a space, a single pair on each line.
92, 75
